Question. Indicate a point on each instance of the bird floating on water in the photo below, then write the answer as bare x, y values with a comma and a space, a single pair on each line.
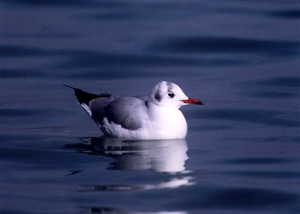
156, 116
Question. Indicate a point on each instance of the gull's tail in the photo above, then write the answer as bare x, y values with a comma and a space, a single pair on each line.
83, 98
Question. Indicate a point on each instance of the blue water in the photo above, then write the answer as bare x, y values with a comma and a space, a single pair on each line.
241, 58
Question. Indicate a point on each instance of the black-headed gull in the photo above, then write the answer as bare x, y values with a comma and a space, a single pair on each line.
156, 116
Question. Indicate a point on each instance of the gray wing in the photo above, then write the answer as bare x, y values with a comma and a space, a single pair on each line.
129, 112
98, 105
144, 98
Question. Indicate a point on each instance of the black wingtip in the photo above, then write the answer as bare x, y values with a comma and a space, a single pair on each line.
69, 86
82, 96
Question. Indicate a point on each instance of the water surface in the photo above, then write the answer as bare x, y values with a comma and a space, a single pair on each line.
240, 58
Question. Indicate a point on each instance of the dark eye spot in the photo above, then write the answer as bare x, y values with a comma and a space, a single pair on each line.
157, 96
171, 94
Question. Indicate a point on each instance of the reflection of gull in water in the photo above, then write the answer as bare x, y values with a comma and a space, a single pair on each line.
168, 184
166, 156
107, 210
163, 156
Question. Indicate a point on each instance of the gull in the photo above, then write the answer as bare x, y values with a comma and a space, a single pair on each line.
156, 116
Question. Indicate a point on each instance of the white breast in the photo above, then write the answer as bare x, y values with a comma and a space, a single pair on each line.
166, 123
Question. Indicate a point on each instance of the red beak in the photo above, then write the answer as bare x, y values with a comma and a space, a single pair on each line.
192, 101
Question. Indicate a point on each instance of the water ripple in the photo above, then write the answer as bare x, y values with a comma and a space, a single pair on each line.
267, 174
20, 73
258, 161
15, 113
238, 198
289, 14
7, 51
229, 45
272, 88
281, 82
264, 117
98, 64
78, 3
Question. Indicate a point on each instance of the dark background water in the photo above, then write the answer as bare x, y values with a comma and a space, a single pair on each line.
241, 58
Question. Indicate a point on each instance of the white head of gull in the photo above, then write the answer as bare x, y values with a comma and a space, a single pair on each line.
156, 116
